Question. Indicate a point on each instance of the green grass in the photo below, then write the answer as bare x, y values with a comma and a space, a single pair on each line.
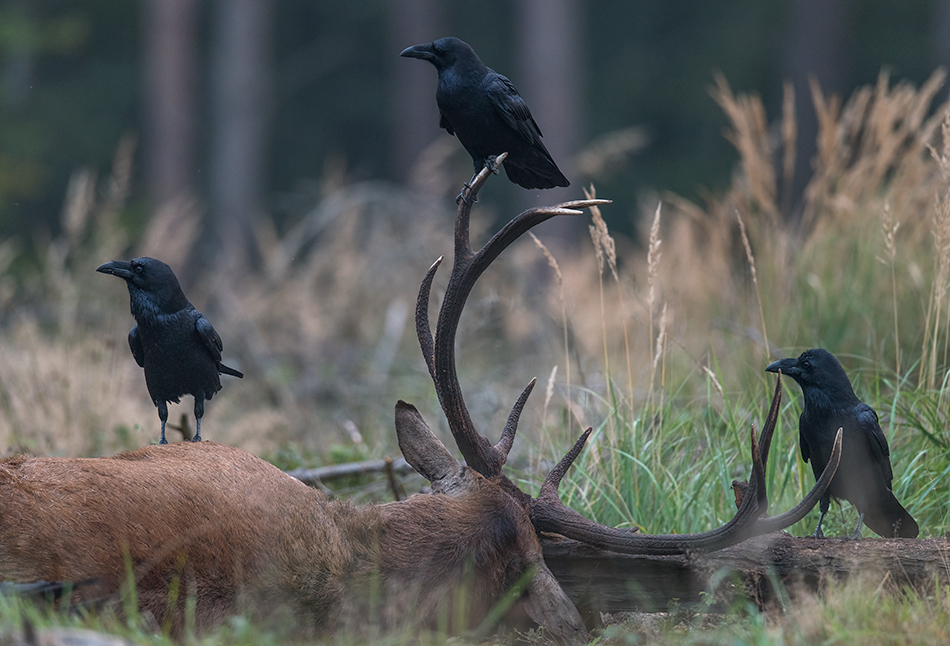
677, 477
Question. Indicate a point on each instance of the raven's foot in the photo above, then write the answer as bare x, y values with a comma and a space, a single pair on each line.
491, 163
196, 438
821, 517
162, 415
856, 534
463, 195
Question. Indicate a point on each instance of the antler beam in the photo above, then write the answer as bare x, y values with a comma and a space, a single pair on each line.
439, 352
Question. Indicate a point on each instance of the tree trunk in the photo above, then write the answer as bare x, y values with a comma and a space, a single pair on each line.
414, 115
813, 48
240, 112
601, 581
941, 42
549, 77
170, 72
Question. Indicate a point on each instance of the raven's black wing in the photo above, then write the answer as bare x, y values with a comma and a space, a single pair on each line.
213, 343
877, 442
511, 107
802, 444
209, 336
135, 344
444, 123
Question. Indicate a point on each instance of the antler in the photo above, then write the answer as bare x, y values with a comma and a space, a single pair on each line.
548, 514
439, 353
799, 511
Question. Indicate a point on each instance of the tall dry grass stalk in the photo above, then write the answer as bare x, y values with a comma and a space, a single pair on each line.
889, 228
559, 279
941, 235
609, 248
755, 283
549, 392
653, 272
789, 127
656, 407
750, 137
603, 248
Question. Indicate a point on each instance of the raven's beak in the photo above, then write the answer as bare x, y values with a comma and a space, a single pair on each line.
423, 51
120, 268
789, 367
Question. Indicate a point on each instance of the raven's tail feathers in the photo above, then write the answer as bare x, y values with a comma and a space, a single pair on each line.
226, 370
889, 519
539, 172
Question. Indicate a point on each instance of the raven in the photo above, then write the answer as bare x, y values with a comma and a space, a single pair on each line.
864, 474
174, 342
484, 110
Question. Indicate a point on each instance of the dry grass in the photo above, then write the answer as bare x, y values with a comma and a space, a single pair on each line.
323, 329
815, 283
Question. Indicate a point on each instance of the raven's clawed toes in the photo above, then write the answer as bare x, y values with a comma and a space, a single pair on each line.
463, 195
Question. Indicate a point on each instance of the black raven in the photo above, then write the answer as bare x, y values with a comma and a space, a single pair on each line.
174, 342
484, 110
864, 474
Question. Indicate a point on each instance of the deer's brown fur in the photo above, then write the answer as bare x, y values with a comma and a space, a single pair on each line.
250, 538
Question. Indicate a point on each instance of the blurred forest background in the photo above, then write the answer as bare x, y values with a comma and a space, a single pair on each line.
288, 164
243, 105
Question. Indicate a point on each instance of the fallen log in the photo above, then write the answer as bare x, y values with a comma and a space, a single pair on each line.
758, 568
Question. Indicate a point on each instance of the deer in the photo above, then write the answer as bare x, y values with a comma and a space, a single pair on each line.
218, 530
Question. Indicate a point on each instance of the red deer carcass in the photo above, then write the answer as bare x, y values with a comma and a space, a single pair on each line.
233, 534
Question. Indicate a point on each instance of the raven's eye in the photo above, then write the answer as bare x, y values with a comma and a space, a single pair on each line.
806, 363
137, 268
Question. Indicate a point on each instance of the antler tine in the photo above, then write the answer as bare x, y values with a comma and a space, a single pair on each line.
511, 426
799, 511
765, 444
581, 204
520, 224
423, 329
757, 480
553, 481
772, 418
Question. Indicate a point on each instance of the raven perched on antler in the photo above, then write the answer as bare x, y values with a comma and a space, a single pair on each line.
864, 476
174, 342
484, 110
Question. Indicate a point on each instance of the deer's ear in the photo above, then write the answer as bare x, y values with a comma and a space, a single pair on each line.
421, 448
